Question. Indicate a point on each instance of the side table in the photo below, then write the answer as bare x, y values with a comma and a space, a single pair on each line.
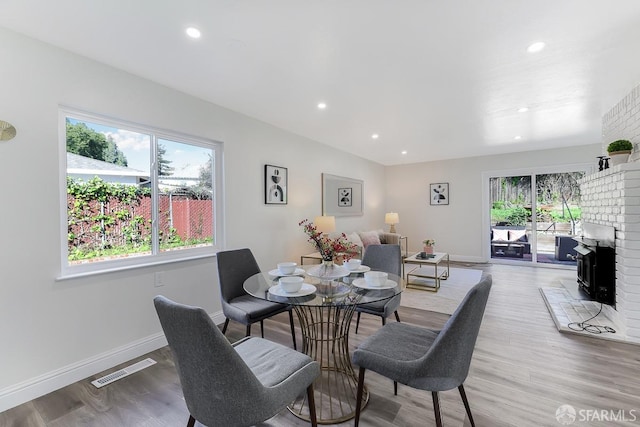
435, 274
314, 256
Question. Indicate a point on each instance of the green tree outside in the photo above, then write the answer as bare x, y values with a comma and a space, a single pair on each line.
113, 155
84, 141
164, 165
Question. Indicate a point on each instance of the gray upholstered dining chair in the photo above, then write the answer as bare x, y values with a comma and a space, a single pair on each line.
427, 359
234, 267
232, 385
382, 258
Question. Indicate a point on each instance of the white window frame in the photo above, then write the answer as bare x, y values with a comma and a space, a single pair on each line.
68, 271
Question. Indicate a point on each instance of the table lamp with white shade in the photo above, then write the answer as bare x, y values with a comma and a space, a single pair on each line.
325, 224
392, 219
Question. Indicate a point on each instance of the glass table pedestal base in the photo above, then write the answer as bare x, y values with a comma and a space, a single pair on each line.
325, 338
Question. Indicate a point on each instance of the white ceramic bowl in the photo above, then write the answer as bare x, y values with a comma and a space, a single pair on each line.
287, 267
353, 264
376, 278
291, 284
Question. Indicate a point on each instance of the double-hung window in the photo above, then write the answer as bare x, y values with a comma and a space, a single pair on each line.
134, 195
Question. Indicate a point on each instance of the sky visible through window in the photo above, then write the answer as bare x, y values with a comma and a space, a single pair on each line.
186, 159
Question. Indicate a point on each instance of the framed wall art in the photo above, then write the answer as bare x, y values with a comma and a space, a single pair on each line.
341, 196
275, 185
439, 193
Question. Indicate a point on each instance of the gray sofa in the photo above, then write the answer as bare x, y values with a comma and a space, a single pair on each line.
364, 238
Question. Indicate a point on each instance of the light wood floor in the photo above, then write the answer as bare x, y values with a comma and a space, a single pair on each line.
523, 369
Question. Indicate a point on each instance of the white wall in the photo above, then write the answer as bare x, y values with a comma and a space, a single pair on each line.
53, 332
458, 228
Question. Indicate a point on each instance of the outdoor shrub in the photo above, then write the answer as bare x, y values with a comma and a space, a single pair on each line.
517, 216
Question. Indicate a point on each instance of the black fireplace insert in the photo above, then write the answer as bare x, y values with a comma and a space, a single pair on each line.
596, 263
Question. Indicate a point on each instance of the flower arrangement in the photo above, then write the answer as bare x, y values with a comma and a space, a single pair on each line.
329, 248
428, 245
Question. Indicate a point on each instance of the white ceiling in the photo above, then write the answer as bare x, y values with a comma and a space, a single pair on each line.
439, 79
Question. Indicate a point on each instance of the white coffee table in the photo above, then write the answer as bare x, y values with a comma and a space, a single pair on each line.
435, 267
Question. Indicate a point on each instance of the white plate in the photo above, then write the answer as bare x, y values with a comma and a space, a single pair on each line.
306, 289
360, 269
276, 273
361, 283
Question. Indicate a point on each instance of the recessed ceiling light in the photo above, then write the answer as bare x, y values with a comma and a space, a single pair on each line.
193, 32
375, 136
535, 47
523, 109
517, 137
404, 152
322, 105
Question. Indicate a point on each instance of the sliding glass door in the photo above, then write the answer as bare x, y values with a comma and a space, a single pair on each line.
511, 200
533, 217
557, 217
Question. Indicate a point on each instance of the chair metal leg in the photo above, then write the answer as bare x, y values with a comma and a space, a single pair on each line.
436, 408
191, 422
312, 406
466, 404
358, 322
293, 330
248, 330
224, 328
359, 395
384, 320
397, 315
262, 328
395, 388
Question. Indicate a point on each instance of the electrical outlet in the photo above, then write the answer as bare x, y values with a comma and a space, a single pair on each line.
159, 276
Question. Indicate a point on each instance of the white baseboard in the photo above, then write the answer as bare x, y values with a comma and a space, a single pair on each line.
217, 317
33, 388
462, 258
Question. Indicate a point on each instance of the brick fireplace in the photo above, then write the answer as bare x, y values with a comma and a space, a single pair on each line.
612, 197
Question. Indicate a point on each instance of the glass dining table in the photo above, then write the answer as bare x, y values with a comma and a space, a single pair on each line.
324, 306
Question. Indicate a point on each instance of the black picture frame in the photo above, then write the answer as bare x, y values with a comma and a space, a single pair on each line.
439, 193
276, 185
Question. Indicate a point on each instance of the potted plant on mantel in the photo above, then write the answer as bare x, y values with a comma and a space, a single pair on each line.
428, 245
619, 151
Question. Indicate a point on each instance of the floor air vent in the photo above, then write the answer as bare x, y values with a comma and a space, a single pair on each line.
121, 373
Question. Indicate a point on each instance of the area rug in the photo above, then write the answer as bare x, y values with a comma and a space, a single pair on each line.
448, 297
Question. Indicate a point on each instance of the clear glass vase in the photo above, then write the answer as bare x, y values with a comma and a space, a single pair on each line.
328, 270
